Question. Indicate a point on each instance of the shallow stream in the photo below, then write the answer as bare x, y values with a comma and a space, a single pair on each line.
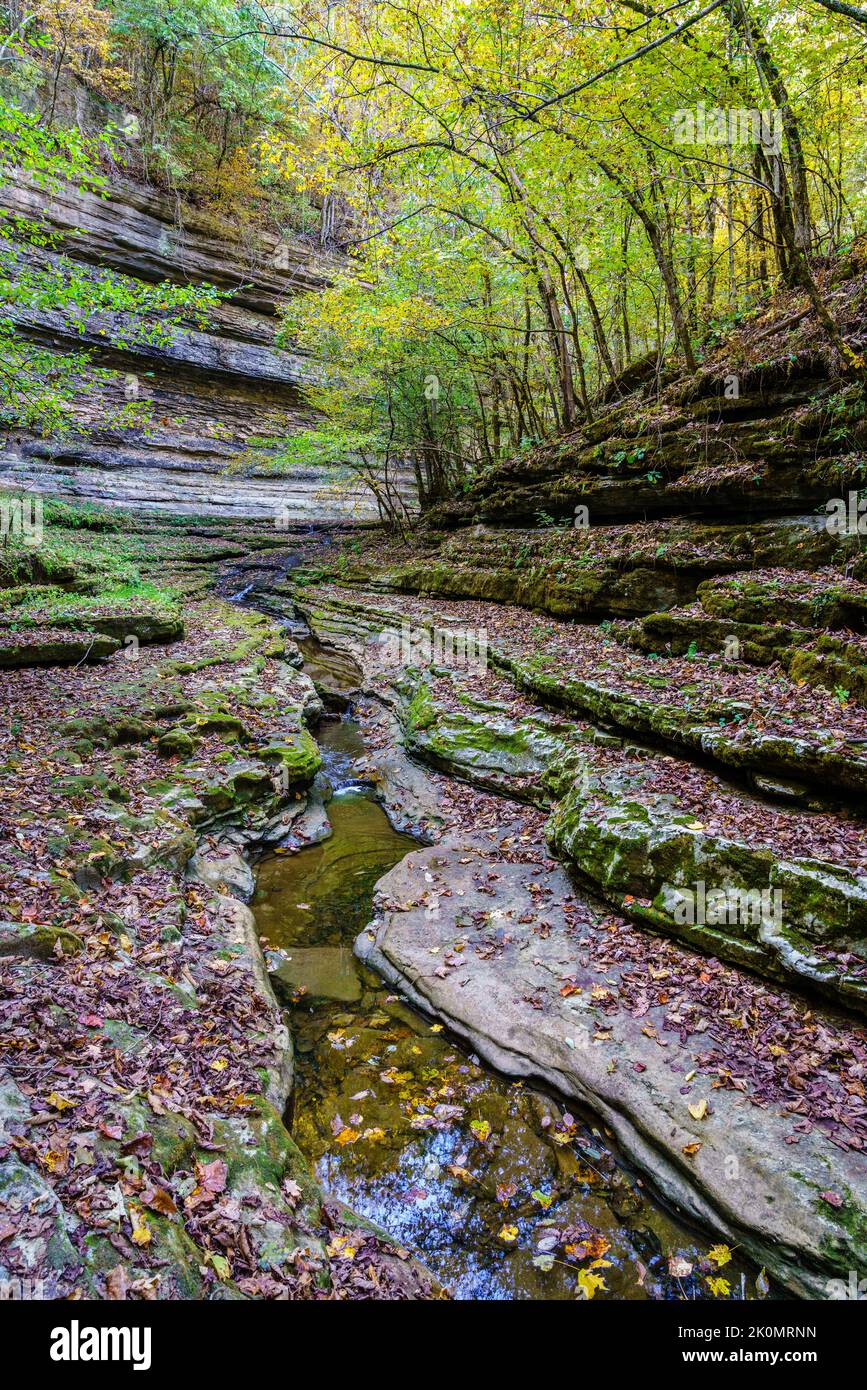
497, 1187
499, 1190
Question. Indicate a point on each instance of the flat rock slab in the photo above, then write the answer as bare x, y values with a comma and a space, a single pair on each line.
510, 956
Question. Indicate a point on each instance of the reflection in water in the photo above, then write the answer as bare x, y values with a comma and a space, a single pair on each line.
322, 896
332, 671
501, 1192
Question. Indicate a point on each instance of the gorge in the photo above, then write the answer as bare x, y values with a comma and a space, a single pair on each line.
433, 744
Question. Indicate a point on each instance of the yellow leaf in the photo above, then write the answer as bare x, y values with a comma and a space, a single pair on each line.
720, 1288
141, 1231
590, 1284
220, 1266
347, 1136
699, 1110
508, 1233
341, 1249
720, 1255
60, 1102
219, 1065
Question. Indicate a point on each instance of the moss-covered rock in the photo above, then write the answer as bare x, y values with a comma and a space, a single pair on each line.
786, 917
716, 729
818, 601
176, 743
789, 919
40, 940
52, 647
296, 756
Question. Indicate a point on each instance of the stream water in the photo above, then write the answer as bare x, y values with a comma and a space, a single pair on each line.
479, 1176
499, 1189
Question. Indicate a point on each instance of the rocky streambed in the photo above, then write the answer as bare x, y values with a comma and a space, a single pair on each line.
493, 1183
732, 1097
479, 1069
497, 1183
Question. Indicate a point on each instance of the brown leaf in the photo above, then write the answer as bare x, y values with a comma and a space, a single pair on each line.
117, 1283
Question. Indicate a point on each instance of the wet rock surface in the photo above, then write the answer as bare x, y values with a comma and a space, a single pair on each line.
501, 1190
708, 1022
541, 986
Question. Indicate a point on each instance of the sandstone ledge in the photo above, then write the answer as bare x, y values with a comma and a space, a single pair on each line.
458, 931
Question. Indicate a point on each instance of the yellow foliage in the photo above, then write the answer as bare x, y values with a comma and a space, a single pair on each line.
79, 31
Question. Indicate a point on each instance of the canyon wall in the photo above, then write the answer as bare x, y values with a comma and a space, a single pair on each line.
217, 399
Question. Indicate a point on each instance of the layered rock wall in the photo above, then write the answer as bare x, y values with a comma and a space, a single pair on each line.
217, 399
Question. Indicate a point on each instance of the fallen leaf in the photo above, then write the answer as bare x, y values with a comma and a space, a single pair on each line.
590, 1284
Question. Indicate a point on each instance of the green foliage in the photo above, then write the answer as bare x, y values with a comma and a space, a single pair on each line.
522, 216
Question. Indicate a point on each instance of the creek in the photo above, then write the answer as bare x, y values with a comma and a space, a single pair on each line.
470, 1171
477, 1175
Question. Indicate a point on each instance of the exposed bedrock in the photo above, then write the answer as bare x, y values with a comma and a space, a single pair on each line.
766, 426
646, 831
608, 571
790, 441
540, 986
217, 399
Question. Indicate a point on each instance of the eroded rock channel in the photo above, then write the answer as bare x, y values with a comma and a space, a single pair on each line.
499, 1186
734, 1096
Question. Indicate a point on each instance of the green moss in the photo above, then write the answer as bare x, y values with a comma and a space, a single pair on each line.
176, 743
420, 713
40, 941
297, 754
